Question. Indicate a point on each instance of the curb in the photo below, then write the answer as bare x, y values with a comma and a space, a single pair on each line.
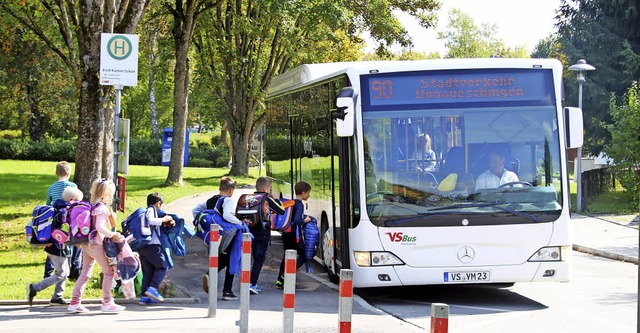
605, 254
99, 301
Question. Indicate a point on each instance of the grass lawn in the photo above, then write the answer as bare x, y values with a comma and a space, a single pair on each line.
24, 185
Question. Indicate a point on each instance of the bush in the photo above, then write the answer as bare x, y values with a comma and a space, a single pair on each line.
141, 152
200, 163
11, 149
44, 150
145, 152
204, 155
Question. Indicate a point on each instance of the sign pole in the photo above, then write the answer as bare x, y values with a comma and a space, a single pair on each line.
116, 138
119, 68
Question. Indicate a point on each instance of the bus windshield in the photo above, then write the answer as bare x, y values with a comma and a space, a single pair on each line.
485, 165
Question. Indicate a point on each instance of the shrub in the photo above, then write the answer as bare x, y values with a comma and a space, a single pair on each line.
44, 150
222, 157
200, 163
145, 152
11, 149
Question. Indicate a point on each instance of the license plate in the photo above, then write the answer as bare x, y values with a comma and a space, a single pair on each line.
466, 276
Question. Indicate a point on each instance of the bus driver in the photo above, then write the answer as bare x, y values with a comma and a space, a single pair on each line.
497, 173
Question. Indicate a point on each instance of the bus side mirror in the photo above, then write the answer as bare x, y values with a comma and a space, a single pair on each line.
574, 126
345, 114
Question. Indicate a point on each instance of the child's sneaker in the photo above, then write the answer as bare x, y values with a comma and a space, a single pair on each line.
31, 293
229, 296
153, 293
112, 307
279, 284
78, 308
58, 301
146, 300
254, 289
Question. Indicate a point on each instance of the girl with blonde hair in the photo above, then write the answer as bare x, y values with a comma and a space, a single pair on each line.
103, 218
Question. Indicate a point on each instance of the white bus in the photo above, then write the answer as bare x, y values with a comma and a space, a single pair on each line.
398, 212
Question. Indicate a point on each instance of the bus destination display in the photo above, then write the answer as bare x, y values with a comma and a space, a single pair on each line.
448, 87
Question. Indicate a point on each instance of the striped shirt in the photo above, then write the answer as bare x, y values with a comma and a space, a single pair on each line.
55, 190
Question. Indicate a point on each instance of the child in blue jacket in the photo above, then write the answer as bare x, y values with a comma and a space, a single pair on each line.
152, 258
292, 240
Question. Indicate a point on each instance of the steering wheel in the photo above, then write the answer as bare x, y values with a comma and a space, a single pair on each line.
512, 184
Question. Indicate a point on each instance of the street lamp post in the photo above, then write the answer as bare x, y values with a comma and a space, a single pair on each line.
581, 68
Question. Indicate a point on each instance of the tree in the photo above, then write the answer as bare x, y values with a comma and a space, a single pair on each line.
607, 35
149, 105
76, 40
185, 15
246, 43
549, 47
464, 39
35, 97
624, 147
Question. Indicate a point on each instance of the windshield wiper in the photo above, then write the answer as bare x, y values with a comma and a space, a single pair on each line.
438, 211
498, 205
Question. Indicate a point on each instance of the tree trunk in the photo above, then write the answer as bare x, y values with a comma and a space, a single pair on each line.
152, 88
35, 120
240, 159
184, 21
240, 140
91, 114
180, 112
90, 132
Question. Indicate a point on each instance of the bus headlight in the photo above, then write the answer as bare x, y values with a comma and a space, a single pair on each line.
550, 253
366, 259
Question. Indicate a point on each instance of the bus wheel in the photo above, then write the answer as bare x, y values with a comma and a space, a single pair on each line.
327, 251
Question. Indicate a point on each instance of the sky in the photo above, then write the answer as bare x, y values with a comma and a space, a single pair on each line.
520, 22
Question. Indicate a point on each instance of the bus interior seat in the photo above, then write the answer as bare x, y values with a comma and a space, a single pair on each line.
454, 162
512, 163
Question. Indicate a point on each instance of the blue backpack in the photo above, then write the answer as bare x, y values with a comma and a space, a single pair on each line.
137, 226
205, 218
39, 228
311, 238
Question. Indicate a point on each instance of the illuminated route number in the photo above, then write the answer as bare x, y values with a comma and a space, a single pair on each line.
381, 89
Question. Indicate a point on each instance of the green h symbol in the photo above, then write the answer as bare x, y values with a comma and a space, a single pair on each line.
119, 45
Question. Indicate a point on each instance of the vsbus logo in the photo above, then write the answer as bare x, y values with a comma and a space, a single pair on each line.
400, 237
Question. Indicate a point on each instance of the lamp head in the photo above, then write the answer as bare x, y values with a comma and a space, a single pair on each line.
581, 67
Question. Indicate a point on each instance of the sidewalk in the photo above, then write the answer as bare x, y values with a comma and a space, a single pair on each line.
603, 238
187, 310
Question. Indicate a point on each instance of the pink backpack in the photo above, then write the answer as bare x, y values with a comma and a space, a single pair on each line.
78, 216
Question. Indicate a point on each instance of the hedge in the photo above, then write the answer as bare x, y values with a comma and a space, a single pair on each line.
141, 152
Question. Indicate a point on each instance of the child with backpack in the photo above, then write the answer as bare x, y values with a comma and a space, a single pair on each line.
57, 254
226, 189
292, 239
260, 228
54, 192
103, 221
154, 263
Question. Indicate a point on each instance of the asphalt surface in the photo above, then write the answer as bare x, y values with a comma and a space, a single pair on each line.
316, 301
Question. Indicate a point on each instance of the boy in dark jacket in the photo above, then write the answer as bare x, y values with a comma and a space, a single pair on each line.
262, 233
292, 240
